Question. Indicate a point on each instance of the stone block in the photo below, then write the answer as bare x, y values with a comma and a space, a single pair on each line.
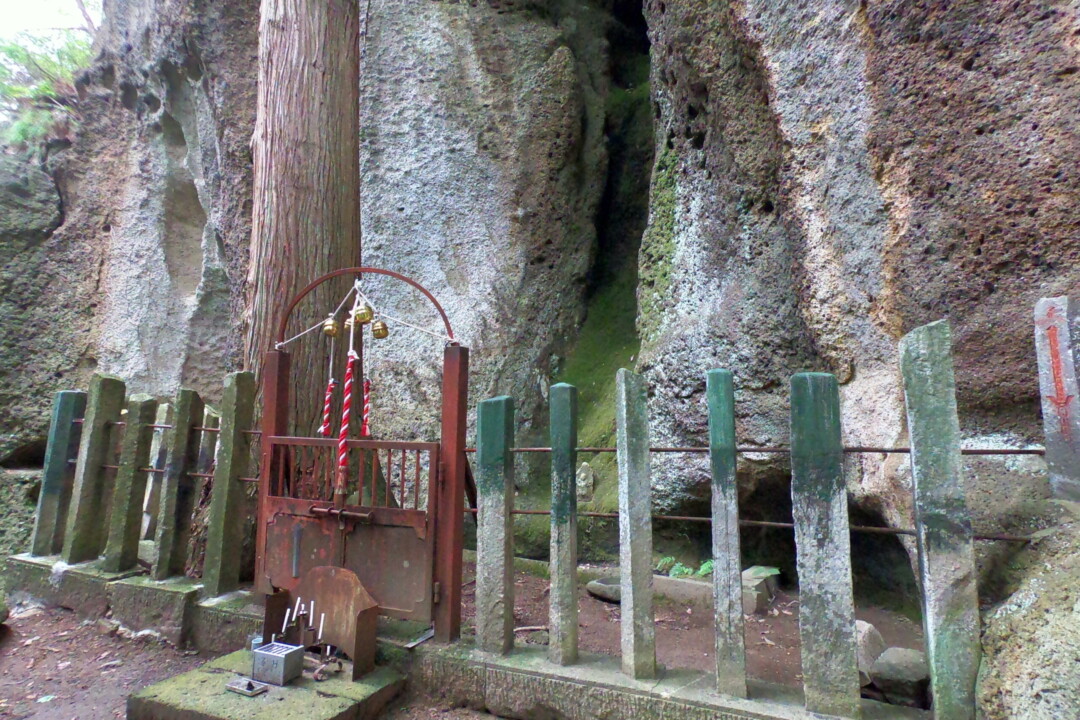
141, 603
224, 624
903, 677
756, 597
869, 646
200, 695
607, 589
49, 580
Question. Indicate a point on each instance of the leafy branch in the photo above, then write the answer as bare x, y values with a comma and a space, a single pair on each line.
37, 85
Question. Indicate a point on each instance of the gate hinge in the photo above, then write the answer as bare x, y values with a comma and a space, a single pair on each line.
436, 587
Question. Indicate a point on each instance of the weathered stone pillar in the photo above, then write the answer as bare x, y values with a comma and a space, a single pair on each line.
635, 526
563, 608
177, 487
84, 537
1057, 384
58, 473
726, 555
159, 453
942, 521
495, 525
129, 488
819, 505
221, 569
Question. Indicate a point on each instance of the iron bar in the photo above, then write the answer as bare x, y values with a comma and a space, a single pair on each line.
766, 524
784, 450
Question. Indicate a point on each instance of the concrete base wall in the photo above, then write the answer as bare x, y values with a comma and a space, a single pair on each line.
525, 685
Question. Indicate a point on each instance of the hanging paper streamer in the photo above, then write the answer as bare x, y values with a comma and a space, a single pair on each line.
365, 429
324, 429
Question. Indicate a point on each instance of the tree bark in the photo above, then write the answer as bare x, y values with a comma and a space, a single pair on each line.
306, 214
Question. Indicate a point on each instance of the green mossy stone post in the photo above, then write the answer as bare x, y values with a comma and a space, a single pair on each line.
942, 521
726, 553
84, 537
125, 515
635, 526
495, 525
177, 498
823, 543
58, 474
221, 569
563, 607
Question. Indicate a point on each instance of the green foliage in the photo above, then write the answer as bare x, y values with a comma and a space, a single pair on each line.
658, 244
705, 570
666, 564
680, 570
37, 84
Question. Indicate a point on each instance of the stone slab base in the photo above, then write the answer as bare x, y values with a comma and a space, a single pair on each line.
170, 608
164, 607
81, 587
223, 624
201, 695
525, 685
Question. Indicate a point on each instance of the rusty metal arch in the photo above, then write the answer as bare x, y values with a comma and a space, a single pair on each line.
360, 271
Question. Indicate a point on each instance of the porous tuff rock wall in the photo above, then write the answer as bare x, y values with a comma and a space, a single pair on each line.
140, 275
830, 175
483, 164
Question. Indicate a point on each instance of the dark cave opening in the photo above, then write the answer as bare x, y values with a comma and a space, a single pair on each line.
628, 129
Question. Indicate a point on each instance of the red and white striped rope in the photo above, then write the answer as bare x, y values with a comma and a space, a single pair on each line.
365, 429
324, 429
346, 411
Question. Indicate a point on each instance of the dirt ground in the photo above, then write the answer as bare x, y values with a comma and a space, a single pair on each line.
55, 667
684, 636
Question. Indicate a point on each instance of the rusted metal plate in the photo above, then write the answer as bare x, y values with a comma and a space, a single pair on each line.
395, 565
295, 544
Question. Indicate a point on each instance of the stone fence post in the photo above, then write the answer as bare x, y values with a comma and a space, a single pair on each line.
177, 494
635, 526
58, 475
84, 537
495, 525
942, 521
221, 570
1054, 318
129, 489
726, 554
563, 609
823, 544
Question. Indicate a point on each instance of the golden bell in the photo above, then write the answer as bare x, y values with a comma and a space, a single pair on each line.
364, 314
348, 323
330, 327
379, 330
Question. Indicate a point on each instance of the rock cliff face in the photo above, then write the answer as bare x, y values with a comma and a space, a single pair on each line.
833, 174
817, 178
142, 278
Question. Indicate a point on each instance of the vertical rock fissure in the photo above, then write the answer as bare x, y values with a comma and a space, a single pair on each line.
608, 339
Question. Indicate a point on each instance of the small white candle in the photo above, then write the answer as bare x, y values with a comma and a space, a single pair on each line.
286, 623
311, 613
296, 608
321, 618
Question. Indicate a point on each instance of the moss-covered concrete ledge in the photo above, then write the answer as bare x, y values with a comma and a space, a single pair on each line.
525, 685
200, 695
171, 609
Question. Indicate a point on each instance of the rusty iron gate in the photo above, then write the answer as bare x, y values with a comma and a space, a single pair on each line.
398, 523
